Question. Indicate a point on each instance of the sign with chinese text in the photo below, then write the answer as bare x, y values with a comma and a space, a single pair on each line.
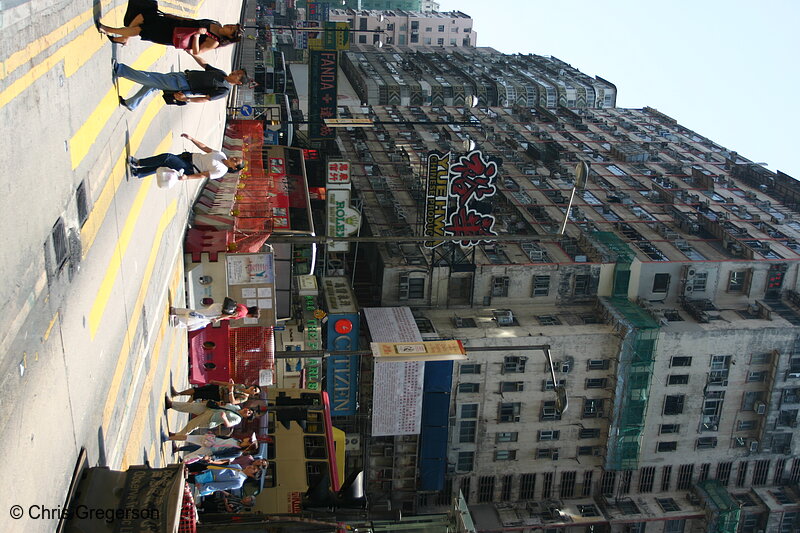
454, 184
419, 351
336, 36
318, 10
322, 98
342, 220
397, 386
338, 174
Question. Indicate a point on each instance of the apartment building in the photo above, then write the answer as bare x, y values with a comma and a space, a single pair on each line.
668, 309
406, 28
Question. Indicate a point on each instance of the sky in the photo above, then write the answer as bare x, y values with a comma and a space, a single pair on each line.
723, 68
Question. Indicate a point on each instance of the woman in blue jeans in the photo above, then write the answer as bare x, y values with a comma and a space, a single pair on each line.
210, 163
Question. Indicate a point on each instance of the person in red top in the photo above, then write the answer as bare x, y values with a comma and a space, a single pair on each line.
198, 319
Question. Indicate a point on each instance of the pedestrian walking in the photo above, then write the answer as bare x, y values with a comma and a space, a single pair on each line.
180, 88
219, 391
227, 415
145, 20
198, 319
209, 163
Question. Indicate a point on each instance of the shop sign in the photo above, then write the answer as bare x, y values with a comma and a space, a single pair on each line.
342, 374
338, 174
453, 185
339, 297
323, 71
342, 219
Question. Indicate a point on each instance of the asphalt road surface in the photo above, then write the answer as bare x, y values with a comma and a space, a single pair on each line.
91, 256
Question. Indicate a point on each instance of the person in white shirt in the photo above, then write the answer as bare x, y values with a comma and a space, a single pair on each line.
211, 164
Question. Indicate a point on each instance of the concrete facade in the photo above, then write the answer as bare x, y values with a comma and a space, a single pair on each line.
669, 306
408, 28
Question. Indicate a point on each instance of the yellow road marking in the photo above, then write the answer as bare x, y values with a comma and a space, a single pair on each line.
122, 360
20, 57
142, 408
98, 213
115, 264
86, 135
50, 327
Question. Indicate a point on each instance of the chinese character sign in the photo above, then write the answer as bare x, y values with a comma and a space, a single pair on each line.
454, 186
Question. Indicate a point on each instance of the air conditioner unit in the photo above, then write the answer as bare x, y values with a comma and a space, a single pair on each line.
352, 443
566, 366
761, 408
753, 445
793, 375
689, 289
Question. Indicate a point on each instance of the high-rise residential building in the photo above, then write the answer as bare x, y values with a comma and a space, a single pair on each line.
449, 76
408, 28
639, 371
406, 5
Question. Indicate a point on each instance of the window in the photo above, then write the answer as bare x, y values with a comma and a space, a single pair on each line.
607, 483
416, 288
673, 404
547, 384
756, 376
499, 284
764, 358
719, 369
597, 364
685, 473
647, 475
527, 486
362, 39
440, 42
441, 28
469, 410
424, 325
567, 484
469, 368
485, 489
675, 526
505, 455
698, 282
505, 488
414, 25
465, 461
548, 434
464, 322
514, 364
669, 428
506, 436
581, 286
747, 425
593, 408
589, 450
704, 443
428, 29
667, 446
736, 280
588, 510
453, 42
587, 487
401, 40
469, 387
741, 476
467, 430
547, 453
549, 411
680, 361
666, 477
661, 283
724, 472
428, 40
749, 400
509, 412
315, 447
760, 472
596, 383
678, 379
668, 505
548, 320
512, 386
589, 433
541, 286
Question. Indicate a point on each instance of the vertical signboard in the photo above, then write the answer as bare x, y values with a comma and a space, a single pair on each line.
454, 185
342, 335
397, 387
251, 281
322, 65
342, 220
